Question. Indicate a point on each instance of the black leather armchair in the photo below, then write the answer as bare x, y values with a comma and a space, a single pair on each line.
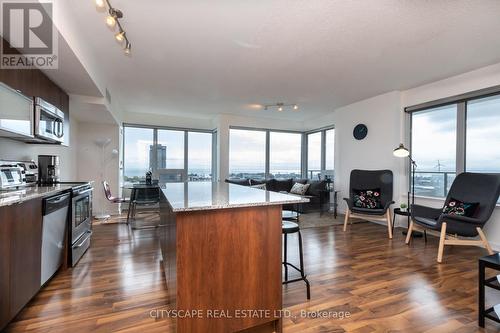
371, 179
467, 187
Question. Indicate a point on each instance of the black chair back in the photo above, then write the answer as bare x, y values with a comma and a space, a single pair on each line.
372, 179
147, 194
477, 187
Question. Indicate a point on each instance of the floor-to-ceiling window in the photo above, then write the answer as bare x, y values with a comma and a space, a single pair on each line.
320, 153
434, 146
171, 154
266, 153
483, 135
461, 135
247, 153
313, 154
200, 157
137, 142
330, 152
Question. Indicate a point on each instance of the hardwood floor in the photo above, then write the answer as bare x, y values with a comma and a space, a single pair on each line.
385, 285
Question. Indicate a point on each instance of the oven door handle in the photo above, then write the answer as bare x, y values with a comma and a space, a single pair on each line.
82, 193
80, 244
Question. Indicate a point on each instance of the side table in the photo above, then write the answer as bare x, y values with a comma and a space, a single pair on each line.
493, 262
407, 213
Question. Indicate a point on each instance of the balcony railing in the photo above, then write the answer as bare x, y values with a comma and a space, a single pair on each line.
433, 183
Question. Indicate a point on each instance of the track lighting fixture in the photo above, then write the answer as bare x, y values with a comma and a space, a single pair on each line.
281, 106
120, 36
113, 20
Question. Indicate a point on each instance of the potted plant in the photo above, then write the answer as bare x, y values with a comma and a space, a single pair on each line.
403, 207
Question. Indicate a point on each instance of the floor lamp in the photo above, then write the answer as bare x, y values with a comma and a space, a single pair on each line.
403, 152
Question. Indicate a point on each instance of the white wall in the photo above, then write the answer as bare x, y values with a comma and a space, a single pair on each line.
90, 167
383, 117
16, 150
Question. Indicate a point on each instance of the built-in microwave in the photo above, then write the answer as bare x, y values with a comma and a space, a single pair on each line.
49, 121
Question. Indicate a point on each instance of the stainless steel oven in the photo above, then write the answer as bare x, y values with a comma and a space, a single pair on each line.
49, 121
81, 221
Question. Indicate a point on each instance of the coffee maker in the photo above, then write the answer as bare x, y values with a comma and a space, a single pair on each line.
48, 169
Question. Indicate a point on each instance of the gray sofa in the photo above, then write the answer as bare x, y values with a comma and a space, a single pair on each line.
318, 197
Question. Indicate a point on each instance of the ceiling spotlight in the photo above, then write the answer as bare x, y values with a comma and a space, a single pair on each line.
127, 48
295, 107
280, 108
99, 3
110, 21
120, 36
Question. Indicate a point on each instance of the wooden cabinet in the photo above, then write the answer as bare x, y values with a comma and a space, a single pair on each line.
34, 83
18, 79
20, 256
4, 268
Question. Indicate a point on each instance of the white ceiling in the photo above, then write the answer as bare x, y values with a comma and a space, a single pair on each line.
201, 58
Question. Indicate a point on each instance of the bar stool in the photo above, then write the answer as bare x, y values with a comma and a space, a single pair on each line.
287, 228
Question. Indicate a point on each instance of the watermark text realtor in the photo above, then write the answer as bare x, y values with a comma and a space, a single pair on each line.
29, 35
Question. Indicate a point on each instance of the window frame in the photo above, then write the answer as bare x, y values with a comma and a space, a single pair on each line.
323, 131
304, 146
461, 102
186, 143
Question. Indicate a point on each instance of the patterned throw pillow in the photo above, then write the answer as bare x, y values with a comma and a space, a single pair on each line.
460, 208
299, 188
369, 199
259, 186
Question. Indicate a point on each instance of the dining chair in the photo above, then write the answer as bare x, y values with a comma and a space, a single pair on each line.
143, 196
116, 200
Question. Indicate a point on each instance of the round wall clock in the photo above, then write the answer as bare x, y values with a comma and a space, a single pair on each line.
360, 132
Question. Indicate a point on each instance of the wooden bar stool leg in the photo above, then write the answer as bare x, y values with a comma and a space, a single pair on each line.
302, 270
285, 257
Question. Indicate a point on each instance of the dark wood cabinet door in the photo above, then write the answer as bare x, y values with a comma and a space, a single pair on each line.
18, 79
5, 224
25, 253
46, 89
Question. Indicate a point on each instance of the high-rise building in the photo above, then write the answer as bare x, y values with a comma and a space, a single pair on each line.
161, 157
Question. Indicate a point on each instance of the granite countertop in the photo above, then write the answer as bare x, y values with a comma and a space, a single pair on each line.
193, 196
23, 194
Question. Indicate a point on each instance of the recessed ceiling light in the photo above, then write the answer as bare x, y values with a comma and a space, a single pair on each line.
99, 3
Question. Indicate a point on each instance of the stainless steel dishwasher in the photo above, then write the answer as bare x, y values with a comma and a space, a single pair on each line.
54, 229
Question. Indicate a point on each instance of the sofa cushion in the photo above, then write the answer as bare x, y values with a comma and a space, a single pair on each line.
257, 181
245, 182
283, 185
300, 180
460, 208
299, 189
367, 198
316, 186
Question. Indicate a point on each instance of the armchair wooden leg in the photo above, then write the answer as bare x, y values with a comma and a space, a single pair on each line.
484, 240
389, 222
347, 214
442, 239
408, 234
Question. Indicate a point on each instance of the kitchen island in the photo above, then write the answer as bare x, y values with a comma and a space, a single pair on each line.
221, 248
